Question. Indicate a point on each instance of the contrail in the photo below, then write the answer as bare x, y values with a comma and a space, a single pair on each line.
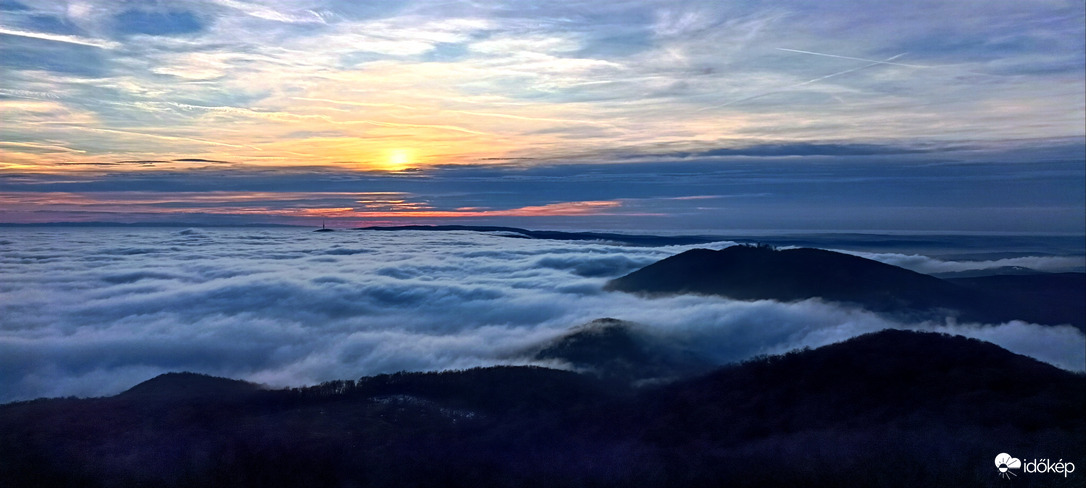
808, 82
873, 63
82, 41
854, 59
41, 146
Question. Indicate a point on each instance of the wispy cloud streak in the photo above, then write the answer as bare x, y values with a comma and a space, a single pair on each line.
164, 137
68, 39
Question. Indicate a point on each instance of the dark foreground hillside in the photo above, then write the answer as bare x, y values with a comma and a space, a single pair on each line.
764, 273
892, 408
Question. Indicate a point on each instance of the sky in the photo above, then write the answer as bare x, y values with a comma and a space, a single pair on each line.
941, 116
92, 312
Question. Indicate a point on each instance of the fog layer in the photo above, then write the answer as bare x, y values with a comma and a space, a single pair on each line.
94, 311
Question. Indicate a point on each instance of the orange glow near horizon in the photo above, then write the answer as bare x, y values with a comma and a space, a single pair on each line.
21, 206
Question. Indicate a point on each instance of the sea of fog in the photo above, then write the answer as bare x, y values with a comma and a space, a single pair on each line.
93, 311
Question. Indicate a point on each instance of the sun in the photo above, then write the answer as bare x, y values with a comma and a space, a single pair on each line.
398, 159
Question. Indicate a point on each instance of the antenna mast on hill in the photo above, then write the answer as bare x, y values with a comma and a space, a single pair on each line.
324, 227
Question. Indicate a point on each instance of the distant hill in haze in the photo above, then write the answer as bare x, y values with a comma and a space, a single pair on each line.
763, 273
977, 273
893, 408
615, 350
946, 246
1044, 298
630, 239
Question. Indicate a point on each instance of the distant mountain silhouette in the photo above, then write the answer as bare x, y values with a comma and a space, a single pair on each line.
762, 273
977, 273
889, 409
630, 239
615, 350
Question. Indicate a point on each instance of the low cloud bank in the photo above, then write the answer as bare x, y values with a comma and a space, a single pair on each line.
928, 265
82, 315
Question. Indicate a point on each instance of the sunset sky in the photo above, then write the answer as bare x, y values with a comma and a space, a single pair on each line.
699, 115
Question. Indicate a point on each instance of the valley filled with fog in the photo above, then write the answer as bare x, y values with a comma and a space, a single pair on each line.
93, 311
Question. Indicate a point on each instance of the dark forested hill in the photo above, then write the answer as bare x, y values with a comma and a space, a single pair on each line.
892, 408
616, 350
190, 386
757, 272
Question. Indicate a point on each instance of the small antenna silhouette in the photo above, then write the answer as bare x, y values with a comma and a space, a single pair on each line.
323, 227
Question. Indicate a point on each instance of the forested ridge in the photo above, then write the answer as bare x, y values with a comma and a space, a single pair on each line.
893, 408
